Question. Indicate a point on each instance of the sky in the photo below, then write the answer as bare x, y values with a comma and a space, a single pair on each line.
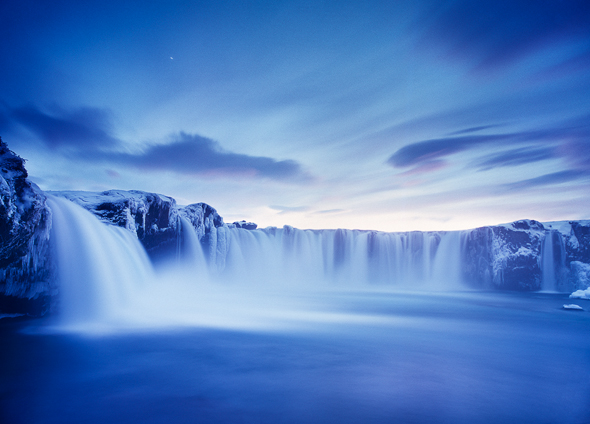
384, 115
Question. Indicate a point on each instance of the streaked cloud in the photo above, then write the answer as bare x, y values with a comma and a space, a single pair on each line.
473, 129
566, 140
82, 128
549, 179
288, 209
429, 150
196, 155
517, 157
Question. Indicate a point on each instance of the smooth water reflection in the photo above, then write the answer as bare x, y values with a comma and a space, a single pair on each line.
356, 357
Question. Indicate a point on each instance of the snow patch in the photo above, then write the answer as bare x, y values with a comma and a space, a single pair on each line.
581, 294
573, 307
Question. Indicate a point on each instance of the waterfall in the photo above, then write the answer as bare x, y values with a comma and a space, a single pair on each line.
548, 278
192, 258
447, 262
247, 277
100, 266
342, 258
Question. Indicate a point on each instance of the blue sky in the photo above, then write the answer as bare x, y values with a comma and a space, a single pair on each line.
319, 114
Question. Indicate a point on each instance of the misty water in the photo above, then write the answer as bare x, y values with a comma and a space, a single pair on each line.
269, 340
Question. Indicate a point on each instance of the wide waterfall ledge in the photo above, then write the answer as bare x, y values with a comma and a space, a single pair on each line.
263, 278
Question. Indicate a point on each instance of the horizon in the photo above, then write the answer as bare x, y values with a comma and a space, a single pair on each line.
412, 116
52, 192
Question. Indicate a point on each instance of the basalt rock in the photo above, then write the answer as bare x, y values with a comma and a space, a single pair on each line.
27, 274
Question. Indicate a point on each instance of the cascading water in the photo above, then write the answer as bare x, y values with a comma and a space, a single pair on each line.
191, 255
292, 257
100, 267
248, 278
548, 280
552, 261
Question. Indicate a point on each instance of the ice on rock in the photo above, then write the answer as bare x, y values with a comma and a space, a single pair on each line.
581, 294
573, 307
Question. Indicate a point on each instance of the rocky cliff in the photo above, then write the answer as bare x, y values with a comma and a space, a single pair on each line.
153, 218
27, 274
505, 257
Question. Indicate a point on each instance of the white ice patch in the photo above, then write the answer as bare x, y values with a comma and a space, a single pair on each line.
581, 294
573, 307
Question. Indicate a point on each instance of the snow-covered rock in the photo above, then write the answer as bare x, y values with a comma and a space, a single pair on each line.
152, 217
203, 217
579, 276
581, 294
243, 224
505, 257
27, 276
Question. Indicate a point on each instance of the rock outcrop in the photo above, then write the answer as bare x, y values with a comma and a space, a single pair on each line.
504, 257
153, 218
211, 231
27, 274
243, 224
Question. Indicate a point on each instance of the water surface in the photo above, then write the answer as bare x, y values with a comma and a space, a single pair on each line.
349, 357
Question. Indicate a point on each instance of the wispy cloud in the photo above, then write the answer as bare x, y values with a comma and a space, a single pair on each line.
82, 128
289, 209
330, 211
429, 150
565, 140
473, 129
517, 157
548, 179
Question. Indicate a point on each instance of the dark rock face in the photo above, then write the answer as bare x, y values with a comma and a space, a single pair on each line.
578, 242
243, 224
211, 231
505, 257
152, 217
571, 250
203, 217
27, 276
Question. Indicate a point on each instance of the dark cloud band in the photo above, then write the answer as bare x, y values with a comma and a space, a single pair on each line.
193, 154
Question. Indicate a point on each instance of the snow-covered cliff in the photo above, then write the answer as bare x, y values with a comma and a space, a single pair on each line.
27, 274
153, 218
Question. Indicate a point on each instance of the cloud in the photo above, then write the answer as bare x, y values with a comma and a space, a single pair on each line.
549, 179
500, 32
429, 150
85, 133
288, 209
568, 139
330, 211
473, 129
193, 155
82, 128
425, 167
517, 157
